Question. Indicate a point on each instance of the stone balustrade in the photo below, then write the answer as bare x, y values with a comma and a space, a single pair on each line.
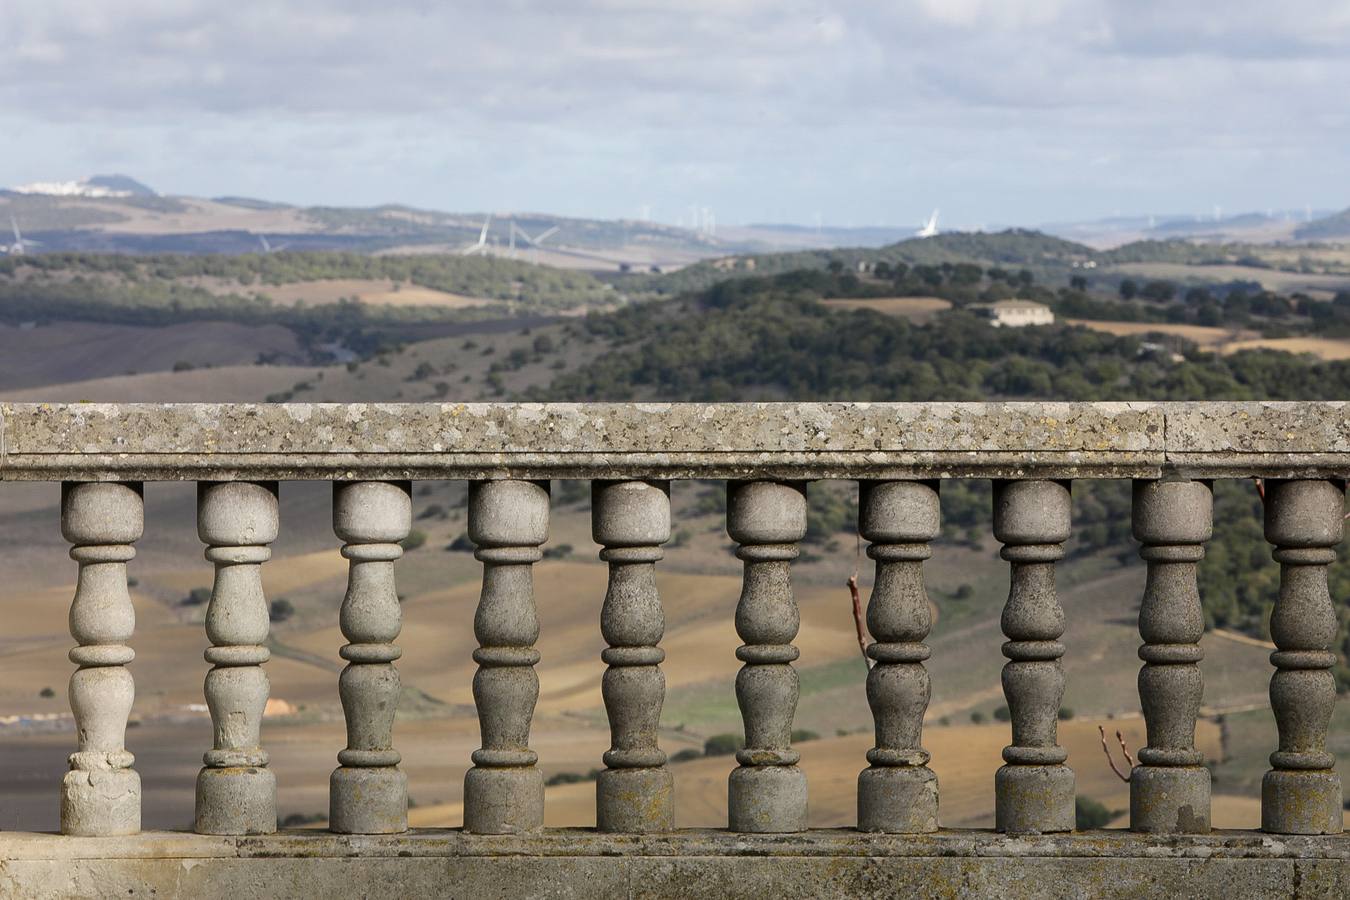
768, 454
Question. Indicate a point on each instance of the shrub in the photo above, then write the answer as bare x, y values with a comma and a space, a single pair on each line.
1088, 813
280, 610
1065, 713
461, 544
434, 511
804, 734
723, 744
196, 597
46, 693
1003, 714
977, 717
415, 539
686, 754
562, 551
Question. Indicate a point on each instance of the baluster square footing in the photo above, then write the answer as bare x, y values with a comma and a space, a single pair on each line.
898, 799
368, 800
1307, 802
497, 800
101, 803
767, 799
635, 800
236, 800
1169, 799
1034, 799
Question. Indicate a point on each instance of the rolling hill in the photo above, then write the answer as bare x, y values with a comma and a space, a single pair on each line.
1332, 227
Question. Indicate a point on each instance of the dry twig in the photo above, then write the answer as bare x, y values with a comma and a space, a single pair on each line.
1129, 760
1123, 749
859, 620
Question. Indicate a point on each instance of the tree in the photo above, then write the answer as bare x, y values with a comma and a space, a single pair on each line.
1159, 291
1129, 289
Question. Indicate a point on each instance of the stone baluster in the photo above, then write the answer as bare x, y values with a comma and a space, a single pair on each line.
1169, 789
101, 794
1034, 791
898, 792
1301, 794
236, 792
368, 792
504, 791
631, 520
767, 791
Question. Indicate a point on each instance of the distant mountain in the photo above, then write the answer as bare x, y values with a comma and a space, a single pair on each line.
1248, 227
1013, 248
250, 203
787, 236
122, 184
96, 186
1325, 229
117, 214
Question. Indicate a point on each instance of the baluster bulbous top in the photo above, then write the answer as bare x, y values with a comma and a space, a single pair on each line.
101, 512
369, 512
237, 513
630, 513
1032, 512
766, 512
508, 513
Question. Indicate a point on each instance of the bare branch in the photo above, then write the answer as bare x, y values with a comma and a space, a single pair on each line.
859, 619
1124, 749
859, 622
1107, 750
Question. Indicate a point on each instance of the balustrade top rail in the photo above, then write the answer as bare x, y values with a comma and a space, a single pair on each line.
96, 441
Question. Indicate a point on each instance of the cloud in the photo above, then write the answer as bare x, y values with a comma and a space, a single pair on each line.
713, 96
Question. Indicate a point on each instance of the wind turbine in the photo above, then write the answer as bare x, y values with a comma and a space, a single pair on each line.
929, 228
20, 242
267, 247
535, 241
481, 246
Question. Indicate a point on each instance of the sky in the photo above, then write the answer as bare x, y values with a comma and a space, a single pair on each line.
1001, 112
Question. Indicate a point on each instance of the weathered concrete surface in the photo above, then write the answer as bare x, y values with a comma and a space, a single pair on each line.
577, 863
653, 440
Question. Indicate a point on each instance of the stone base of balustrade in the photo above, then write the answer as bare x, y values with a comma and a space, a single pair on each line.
706, 864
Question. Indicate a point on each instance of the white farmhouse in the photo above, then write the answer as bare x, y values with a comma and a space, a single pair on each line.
1015, 313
